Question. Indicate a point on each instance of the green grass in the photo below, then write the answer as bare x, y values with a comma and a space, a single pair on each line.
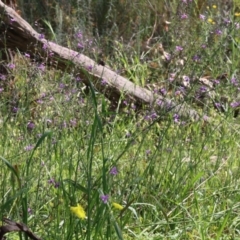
177, 178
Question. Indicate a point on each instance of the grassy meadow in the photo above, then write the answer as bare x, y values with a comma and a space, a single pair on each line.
72, 167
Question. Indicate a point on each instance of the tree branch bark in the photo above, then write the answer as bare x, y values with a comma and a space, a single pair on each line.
16, 33
16, 227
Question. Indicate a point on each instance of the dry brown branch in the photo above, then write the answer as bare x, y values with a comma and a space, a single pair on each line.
16, 33
16, 227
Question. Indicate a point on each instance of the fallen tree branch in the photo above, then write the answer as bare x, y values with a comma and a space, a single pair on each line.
16, 227
16, 33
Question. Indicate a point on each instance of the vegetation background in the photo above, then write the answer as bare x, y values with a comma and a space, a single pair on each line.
74, 168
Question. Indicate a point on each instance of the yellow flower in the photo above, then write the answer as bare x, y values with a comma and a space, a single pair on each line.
214, 6
117, 206
211, 21
78, 211
237, 14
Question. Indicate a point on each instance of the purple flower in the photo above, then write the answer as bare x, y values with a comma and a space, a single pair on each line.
184, 16
167, 56
186, 78
196, 58
56, 184
43, 95
160, 102
234, 81
103, 82
61, 85
78, 79
227, 21
163, 91
41, 67
154, 116
45, 47
51, 181
2, 77
51, 54
1, 90
172, 77
177, 93
30, 125
176, 118
216, 81
27, 55
29, 148
203, 89
41, 36
182, 90
90, 68
11, 65
40, 101
74, 90
79, 35
205, 118
29, 211
202, 17
15, 109
147, 118
73, 122
218, 32
235, 104
114, 171
217, 105
179, 48
104, 198
80, 45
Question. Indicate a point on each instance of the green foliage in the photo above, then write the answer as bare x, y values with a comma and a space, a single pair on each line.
63, 145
